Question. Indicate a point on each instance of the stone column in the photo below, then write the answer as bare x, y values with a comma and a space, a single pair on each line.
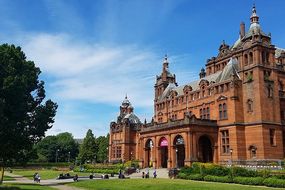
187, 145
169, 161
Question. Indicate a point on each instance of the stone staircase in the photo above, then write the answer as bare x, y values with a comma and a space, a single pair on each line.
161, 173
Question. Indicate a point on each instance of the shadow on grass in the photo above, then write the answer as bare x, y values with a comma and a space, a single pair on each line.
20, 186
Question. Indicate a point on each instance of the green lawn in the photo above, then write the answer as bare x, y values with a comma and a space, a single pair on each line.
8, 178
45, 174
24, 187
161, 184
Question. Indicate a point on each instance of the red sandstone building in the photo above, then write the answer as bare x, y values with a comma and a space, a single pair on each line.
235, 111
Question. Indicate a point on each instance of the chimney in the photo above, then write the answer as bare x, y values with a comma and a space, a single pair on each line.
242, 30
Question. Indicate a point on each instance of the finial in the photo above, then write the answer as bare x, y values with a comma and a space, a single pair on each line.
165, 56
126, 97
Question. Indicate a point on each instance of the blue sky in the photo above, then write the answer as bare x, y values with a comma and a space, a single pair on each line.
93, 52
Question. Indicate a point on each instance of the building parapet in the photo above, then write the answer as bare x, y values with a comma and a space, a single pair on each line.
188, 120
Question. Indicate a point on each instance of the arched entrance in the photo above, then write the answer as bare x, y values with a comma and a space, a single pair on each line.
205, 149
179, 151
163, 143
148, 147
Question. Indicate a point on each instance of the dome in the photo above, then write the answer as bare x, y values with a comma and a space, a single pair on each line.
133, 119
126, 102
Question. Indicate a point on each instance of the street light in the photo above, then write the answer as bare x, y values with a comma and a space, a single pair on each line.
69, 156
231, 151
176, 150
56, 155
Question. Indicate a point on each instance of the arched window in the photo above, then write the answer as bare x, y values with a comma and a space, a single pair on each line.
220, 111
269, 92
252, 150
208, 113
245, 59
250, 58
225, 112
249, 105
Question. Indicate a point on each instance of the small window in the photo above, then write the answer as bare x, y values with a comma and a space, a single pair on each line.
245, 59
250, 58
249, 105
272, 137
252, 150
208, 113
225, 142
220, 111
269, 92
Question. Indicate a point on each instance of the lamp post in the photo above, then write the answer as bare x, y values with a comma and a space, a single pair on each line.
69, 156
56, 155
176, 150
107, 154
231, 151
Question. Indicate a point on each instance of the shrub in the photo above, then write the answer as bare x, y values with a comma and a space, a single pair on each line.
265, 173
214, 169
280, 176
249, 180
274, 182
198, 177
243, 172
222, 179
182, 175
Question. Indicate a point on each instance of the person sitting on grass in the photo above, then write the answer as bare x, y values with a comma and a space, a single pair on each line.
75, 178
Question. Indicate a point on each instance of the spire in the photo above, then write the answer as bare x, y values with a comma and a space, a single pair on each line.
165, 63
254, 17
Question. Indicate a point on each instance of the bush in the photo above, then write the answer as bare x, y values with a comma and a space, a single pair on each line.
243, 172
182, 175
222, 179
198, 177
249, 180
214, 169
274, 182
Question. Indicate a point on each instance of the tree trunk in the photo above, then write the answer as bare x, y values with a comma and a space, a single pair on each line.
1, 174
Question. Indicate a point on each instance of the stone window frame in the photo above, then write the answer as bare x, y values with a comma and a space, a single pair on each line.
249, 105
272, 137
223, 111
225, 142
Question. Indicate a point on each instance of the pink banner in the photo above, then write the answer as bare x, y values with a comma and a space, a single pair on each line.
163, 142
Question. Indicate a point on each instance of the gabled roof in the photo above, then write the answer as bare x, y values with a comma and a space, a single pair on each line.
230, 69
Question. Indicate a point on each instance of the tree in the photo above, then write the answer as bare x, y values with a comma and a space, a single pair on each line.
67, 146
24, 116
103, 144
61, 147
88, 148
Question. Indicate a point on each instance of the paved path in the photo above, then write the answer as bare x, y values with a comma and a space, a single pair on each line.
54, 183
161, 173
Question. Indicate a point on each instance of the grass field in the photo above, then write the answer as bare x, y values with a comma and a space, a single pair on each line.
161, 184
45, 174
24, 187
8, 178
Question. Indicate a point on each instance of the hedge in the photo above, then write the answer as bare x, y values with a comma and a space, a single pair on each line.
249, 180
197, 177
274, 182
222, 179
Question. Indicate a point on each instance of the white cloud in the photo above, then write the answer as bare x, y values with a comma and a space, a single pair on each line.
95, 73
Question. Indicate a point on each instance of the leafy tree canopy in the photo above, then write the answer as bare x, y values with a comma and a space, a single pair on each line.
88, 149
24, 115
62, 146
102, 143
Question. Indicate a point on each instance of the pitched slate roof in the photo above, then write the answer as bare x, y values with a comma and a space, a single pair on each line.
218, 77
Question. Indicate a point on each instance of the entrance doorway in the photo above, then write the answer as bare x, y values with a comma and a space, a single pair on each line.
164, 152
148, 148
205, 149
179, 151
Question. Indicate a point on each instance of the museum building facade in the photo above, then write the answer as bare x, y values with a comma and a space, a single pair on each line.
235, 111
